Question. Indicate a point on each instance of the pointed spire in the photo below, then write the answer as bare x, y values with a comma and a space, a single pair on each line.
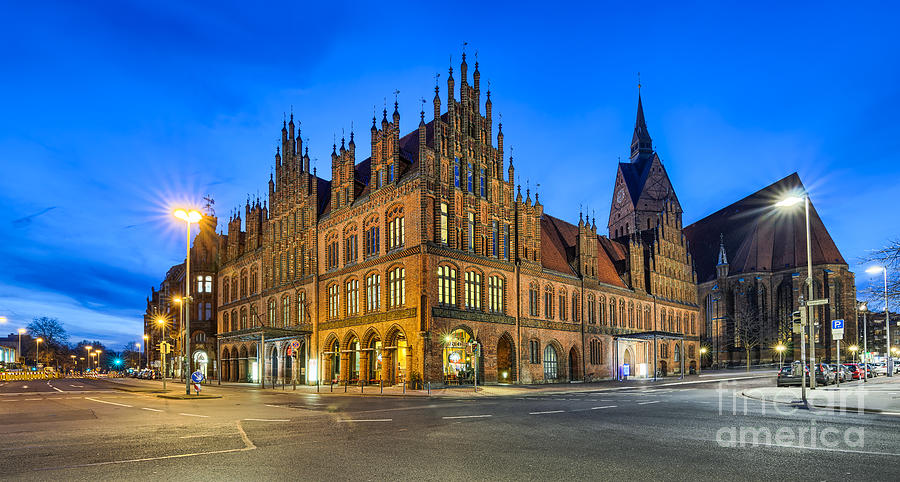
723, 259
641, 143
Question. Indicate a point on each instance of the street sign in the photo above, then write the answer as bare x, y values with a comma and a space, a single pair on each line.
817, 302
295, 344
837, 329
197, 376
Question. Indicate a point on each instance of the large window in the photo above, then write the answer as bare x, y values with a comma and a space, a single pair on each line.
370, 238
548, 303
495, 239
495, 294
444, 237
331, 254
396, 228
473, 290
446, 286
373, 292
591, 314
273, 308
352, 297
301, 307
576, 308
204, 284
535, 351
350, 249
397, 287
285, 311
456, 172
506, 242
533, 300
469, 174
562, 305
602, 310
333, 301
551, 367
612, 312
482, 180
595, 351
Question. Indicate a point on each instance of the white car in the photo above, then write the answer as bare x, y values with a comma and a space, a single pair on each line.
879, 369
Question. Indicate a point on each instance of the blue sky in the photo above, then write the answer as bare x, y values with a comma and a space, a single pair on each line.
113, 112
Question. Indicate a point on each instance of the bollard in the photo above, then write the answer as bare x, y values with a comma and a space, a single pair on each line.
404, 388
381, 384
332, 386
345, 386
360, 387
429, 389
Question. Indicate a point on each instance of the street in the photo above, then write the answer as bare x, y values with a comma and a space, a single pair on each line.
83, 429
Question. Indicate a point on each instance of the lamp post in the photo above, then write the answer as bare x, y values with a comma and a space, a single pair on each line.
98, 352
146, 349
138, 346
37, 356
780, 349
853, 349
887, 318
162, 354
188, 217
790, 201
88, 348
74, 363
21, 356
700, 365
864, 307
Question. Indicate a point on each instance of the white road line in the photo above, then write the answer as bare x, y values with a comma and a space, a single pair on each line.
151, 409
24, 386
548, 411
104, 401
197, 436
605, 406
454, 417
648, 403
267, 420
276, 406
33, 399
193, 415
367, 420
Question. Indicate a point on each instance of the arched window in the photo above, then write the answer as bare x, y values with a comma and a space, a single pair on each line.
234, 287
591, 314
548, 302
562, 304
551, 367
225, 287
677, 351
443, 230
595, 351
622, 316
648, 322
396, 228
371, 236
630, 314
473, 290
352, 297
285, 311
254, 280
576, 308
397, 287
533, 299
612, 312
602, 318
351, 242
235, 322
200, 337
301, 307
273, 308
335, 360
331, 248
495, 294
244, 324
225, 322
373, 292
333, 301
446, 286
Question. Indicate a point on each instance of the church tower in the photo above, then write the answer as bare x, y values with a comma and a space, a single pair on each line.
642, 189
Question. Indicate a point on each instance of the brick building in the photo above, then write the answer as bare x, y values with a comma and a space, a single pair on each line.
752, 267
166, 303
393, 268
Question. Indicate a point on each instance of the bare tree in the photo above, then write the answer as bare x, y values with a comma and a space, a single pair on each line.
748, 330
888, 257
50, 329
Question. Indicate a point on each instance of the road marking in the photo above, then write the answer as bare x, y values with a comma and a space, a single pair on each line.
648, 403
151, 409
455, 417
367, 420
605, 406
548, 411
104, 401
276, 406
267, 420
32, 399
76, 386
51, 386
825, 449
24, 386
193, 415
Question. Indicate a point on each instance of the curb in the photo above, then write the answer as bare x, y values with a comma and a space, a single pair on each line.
829, 408
188, 397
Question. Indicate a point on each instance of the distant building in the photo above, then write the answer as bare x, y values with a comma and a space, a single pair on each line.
877, 335
752, 268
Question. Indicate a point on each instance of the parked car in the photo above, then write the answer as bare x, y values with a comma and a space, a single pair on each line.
855, 370
880, 368
791, 375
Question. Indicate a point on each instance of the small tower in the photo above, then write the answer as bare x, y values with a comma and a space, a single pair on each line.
722, 263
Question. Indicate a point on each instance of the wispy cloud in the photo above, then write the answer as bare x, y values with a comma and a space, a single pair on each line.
25, 221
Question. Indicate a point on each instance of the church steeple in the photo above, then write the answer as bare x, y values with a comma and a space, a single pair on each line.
641, 144
722, 262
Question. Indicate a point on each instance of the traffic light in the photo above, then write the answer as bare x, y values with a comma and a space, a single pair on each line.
797, 321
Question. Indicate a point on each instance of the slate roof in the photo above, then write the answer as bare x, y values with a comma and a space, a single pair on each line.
759, 236
635, 175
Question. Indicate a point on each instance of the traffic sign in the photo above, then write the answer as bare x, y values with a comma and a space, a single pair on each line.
837, 329
197, 376
295, 344
817, 302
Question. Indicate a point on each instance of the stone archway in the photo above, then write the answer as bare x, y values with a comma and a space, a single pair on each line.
243, 365
506, 362
235, 365
663, 368
226, 364
574, 365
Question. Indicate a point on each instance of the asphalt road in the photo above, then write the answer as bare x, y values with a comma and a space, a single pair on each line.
84, 430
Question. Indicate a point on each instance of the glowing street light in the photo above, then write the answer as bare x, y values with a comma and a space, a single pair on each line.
887, 321
853, 349
147, 349
21, 332
37, 356
788, 202
780, 349
188, 217
88, 348
703, 351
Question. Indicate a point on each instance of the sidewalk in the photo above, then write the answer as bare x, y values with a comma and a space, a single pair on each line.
492, 390
879, 395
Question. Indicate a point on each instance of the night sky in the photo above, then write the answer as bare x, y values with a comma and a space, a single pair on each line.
114, 112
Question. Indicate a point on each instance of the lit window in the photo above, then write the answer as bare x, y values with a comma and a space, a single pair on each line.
495, 294
444, 238
473, 290
301, 307
285, 311
352, 297
550, 363
373, 292
471, 245
333, 301
396, 228
397, 287
446, 286
272, 312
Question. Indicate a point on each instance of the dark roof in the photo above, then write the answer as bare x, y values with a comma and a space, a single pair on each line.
759, 236
558, 248
635, 175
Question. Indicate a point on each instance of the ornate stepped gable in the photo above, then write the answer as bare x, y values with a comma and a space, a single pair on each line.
760, 237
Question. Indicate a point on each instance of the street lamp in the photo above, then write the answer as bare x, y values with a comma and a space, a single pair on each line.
853, 349
703, 351
98, 352
37, 356
787, 202
88, 348
162, 354
74, 363
146, 349
887, 321
780, 349
21, 332
188, 217
864, 307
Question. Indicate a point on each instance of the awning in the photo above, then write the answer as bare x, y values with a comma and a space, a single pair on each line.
651, 335
260, 332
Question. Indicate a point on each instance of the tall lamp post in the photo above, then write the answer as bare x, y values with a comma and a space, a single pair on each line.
780, 349
74, 363
88, 349
147, 349
791, 201
21, 356
37, 356
887, 318
162, 354
138, 346
864, 307
188, 217
700, 365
